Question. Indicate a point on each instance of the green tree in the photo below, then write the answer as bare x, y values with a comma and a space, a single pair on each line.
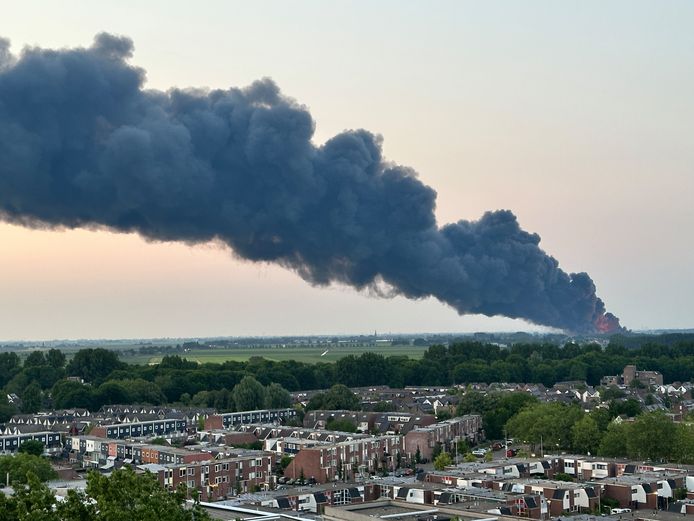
585, 435
32, 398
126, 496
66, 393
442, 461
683, 447
22, 465
34, 501
9, 366
443, 414
496, 409
7, 410
35, 359
547, 422
94, 365
111, 392
55, 358
643, 433
614, 443
277, 397
338, 397
249, 394
34, 447
342, 425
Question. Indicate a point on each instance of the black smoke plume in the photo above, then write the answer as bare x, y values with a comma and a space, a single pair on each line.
82, 144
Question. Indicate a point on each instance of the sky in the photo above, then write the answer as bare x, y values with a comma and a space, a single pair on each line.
577, 116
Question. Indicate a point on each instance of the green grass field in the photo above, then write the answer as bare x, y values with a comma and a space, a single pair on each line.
300, 353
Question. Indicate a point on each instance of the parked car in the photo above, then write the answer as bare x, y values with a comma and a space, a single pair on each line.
480, 453
497, 445
620, 510
510, 453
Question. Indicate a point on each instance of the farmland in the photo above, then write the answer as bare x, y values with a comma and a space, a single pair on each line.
307, 354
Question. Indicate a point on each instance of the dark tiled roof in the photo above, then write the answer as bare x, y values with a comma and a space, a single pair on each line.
403, 492
558, 494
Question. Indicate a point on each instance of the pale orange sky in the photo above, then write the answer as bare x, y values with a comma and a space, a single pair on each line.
576, 116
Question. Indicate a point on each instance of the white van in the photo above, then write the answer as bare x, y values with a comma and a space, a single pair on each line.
620, 510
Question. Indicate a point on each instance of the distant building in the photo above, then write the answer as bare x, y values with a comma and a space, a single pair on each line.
631, 374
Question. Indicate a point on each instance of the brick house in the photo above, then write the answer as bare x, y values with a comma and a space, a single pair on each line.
217, 479
345, 460
425, 439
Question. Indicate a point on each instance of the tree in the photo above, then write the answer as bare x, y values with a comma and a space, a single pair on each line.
66, 393
34, 447
496, 409
338, 397
126, 496
32, 398
22, 465
7, 410
94, 365
111, 392
547, 422
249, 394
142, 391
277, 397
614, 443
443, 414
35, 359
9, 366
585, 435
285, 461
683, 448
34, 501
643, 433
628, 407
55, 358
343, 425
442, 461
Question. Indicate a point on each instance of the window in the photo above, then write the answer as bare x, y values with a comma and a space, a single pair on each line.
191, 471
181, 472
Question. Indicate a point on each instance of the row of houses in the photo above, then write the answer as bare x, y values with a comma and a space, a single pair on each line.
131, 421
220, 478
11, 441
631, 485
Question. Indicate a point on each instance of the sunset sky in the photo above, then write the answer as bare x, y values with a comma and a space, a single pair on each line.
577, 116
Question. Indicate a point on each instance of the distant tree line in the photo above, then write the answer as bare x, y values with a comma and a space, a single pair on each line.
41, 380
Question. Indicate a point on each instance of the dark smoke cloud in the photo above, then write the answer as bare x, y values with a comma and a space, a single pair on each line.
82, 144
